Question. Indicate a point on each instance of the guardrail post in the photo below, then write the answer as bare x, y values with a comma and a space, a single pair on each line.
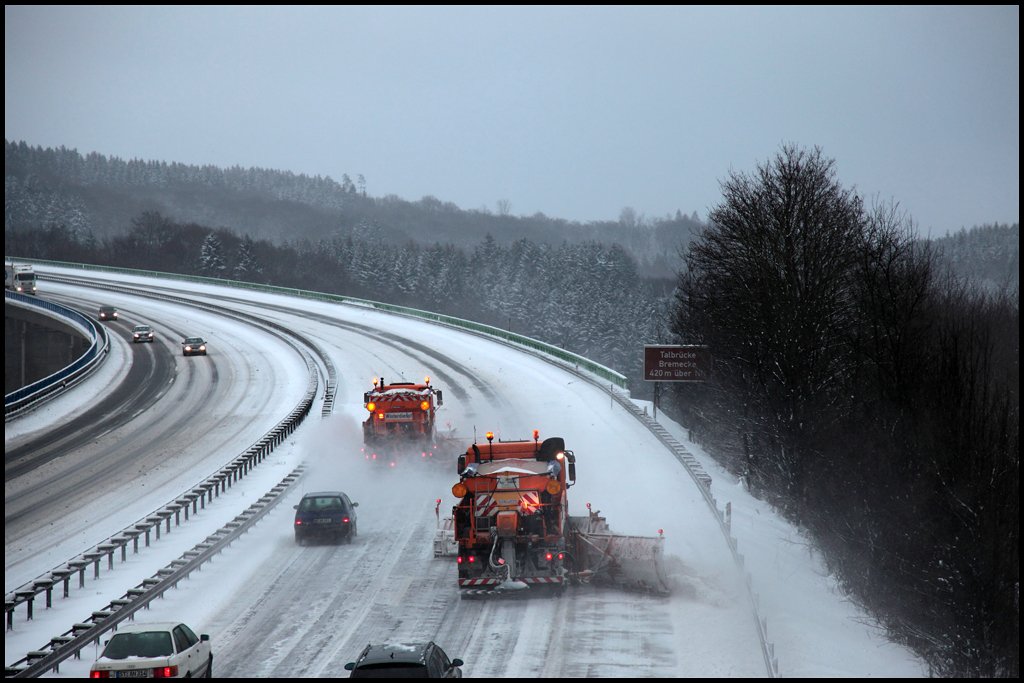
79, 566
122, 542
176, 506
134, 535
27, 598
94, 558
65, 576
108, 549
47, 585
58, 642
165, 516
76, 630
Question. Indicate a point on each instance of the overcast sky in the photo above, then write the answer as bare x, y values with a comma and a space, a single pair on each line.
575, 112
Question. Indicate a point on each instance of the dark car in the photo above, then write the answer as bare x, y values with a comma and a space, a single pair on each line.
108, 313
404, 660
325, 515
142, 333
193, 346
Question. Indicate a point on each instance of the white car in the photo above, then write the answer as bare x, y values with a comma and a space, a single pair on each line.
159, 650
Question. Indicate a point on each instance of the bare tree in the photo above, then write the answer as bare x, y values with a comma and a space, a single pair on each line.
769, 289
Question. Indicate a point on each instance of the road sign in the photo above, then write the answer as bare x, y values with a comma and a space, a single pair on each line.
677, 363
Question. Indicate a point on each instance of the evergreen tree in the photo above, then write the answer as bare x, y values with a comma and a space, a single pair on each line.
211, 257
247, 267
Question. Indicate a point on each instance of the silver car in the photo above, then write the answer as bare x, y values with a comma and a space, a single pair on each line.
142, 333
158, 650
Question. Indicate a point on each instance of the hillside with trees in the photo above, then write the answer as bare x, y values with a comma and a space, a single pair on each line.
101, 196
987, 256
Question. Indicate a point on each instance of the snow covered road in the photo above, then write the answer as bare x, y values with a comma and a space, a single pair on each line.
275, 609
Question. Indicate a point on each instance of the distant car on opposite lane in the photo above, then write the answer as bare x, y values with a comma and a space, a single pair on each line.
193, 346
157, 650
404, 660
143, 333
108, 313
326, 514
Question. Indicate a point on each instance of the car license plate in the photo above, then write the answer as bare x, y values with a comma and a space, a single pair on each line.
132, 673
324, 520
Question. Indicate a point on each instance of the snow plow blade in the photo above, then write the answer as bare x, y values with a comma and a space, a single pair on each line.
627, 562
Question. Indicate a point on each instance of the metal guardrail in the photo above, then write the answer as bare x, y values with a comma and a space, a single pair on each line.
31, 395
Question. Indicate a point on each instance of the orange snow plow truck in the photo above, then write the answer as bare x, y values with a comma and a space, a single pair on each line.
512, 530
400, 413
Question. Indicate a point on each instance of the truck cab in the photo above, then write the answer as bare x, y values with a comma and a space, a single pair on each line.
400, 411
20, 278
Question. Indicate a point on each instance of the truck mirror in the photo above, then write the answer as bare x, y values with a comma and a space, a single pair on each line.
440, 398
366, 397
461, 465
572, 473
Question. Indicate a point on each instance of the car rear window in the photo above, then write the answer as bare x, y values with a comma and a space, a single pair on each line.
145, 644
321, 503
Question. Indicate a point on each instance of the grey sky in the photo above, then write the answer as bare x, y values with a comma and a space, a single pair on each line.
575, 112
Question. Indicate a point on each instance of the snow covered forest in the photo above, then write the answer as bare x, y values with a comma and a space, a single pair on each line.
866, 381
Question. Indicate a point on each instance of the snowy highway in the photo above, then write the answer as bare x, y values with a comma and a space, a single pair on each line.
274, 609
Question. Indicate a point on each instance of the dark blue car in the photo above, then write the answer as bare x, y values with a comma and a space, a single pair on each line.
328, 515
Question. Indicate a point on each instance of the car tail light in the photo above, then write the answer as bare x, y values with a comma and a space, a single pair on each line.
298, 522
99, 674
345, 520
165, 672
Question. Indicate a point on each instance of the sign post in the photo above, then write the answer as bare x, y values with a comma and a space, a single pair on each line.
676, 364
